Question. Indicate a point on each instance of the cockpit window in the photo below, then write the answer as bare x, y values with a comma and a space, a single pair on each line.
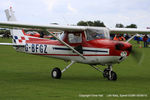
31, 32
75, 37
95, 34
61, 36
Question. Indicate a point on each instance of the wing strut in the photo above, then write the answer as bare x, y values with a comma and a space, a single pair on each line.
131, 38
67, 45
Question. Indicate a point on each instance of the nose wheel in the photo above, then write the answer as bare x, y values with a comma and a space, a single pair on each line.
108, 73
112, 76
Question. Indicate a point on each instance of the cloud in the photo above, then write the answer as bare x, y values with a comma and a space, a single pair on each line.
70, 8
108, 11
5, 4
50, 4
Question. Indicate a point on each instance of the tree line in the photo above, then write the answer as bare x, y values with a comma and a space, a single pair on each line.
99, 23
3, 31
128, 26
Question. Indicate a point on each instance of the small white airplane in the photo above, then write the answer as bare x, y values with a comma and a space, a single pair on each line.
78, 44
1, 36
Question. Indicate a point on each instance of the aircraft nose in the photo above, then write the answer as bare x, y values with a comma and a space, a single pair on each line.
129, 48
119, 46
123, 47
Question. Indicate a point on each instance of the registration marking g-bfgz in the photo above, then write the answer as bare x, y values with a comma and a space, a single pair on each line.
36, 48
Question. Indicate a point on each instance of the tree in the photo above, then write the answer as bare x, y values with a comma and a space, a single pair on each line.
99, 23
82, 23
91, 23
119, 26
131, 26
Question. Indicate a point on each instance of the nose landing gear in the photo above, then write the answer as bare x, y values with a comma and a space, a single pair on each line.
108, 73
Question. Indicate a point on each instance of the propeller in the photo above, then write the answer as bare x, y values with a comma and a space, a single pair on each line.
137, 55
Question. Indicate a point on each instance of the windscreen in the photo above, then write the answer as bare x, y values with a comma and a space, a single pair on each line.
95, 34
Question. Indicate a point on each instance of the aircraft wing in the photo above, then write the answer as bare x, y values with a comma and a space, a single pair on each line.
70, 28
129, 31
38, 26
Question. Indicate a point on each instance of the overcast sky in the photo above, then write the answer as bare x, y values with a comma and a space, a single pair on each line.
71, 11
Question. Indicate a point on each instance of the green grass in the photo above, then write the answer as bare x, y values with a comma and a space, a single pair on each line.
27, 77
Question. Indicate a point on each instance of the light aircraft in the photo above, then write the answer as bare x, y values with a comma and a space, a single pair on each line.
78, 44
1, 36
5, 36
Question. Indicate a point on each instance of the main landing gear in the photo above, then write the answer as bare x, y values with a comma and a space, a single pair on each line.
108, 73
57, 73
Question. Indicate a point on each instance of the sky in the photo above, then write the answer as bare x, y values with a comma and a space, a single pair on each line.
69, 12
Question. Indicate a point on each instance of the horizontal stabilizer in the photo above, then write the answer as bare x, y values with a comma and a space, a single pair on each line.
11, 44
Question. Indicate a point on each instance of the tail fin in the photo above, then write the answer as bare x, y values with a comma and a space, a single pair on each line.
18, 35
10, 15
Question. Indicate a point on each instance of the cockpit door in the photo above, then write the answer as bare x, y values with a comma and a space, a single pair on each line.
75, 39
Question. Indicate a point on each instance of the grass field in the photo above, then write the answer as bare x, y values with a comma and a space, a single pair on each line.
27, 77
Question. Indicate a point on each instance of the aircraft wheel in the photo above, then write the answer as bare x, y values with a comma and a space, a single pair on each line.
106, 73
113, 76
56, 73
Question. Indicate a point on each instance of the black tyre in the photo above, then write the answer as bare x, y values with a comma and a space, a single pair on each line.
113, 76
56, 73
106, 73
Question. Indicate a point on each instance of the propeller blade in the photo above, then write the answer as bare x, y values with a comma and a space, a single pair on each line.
137, 55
